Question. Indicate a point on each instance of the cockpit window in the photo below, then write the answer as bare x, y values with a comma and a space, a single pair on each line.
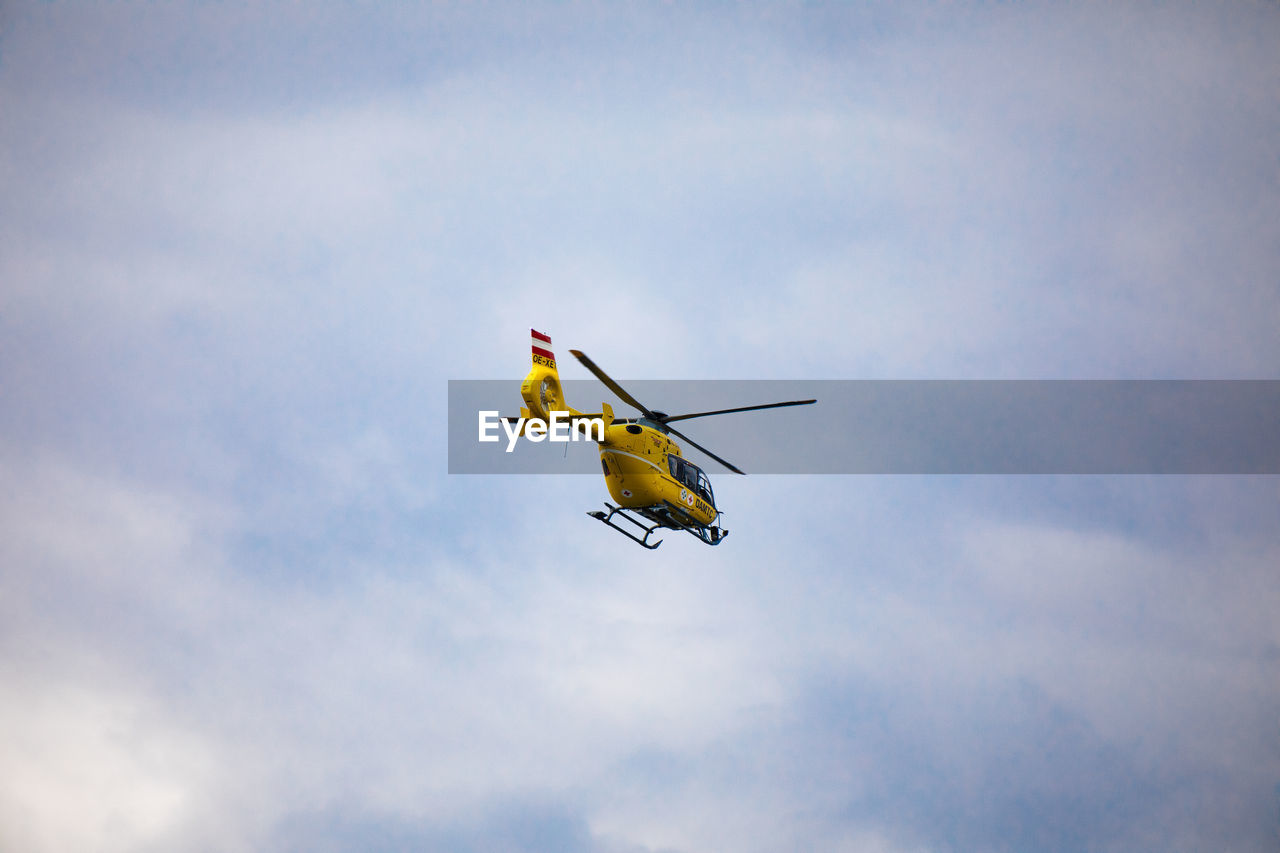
704, 488
692, 477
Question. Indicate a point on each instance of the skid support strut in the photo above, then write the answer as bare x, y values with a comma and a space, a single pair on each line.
619, 511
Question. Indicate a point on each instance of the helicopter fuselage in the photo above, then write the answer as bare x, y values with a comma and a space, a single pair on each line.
643, 467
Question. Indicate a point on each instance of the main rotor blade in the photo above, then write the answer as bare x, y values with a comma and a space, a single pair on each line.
611, 385
734, 468
739, 409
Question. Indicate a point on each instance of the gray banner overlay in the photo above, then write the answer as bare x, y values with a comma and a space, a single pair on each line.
913, 426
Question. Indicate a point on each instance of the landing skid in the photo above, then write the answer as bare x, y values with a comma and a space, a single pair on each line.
662, 518
608, 519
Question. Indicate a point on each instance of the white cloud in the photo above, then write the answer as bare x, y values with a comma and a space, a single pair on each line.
1144, 640
95, 767
240, 593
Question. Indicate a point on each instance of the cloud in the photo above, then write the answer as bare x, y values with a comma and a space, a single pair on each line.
88, 767
245, 605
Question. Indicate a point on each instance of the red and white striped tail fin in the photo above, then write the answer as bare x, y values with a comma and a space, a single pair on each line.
542, 354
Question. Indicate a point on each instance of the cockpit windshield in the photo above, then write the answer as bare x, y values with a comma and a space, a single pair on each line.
692, 477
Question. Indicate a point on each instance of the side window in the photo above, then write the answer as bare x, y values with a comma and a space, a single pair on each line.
691, 475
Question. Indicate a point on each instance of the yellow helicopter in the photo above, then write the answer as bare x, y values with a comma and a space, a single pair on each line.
645, 472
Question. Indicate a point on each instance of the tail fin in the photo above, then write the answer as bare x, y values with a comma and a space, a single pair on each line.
543, 394
541, 388
542, 354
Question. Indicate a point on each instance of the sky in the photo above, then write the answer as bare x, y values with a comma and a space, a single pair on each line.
244, 248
